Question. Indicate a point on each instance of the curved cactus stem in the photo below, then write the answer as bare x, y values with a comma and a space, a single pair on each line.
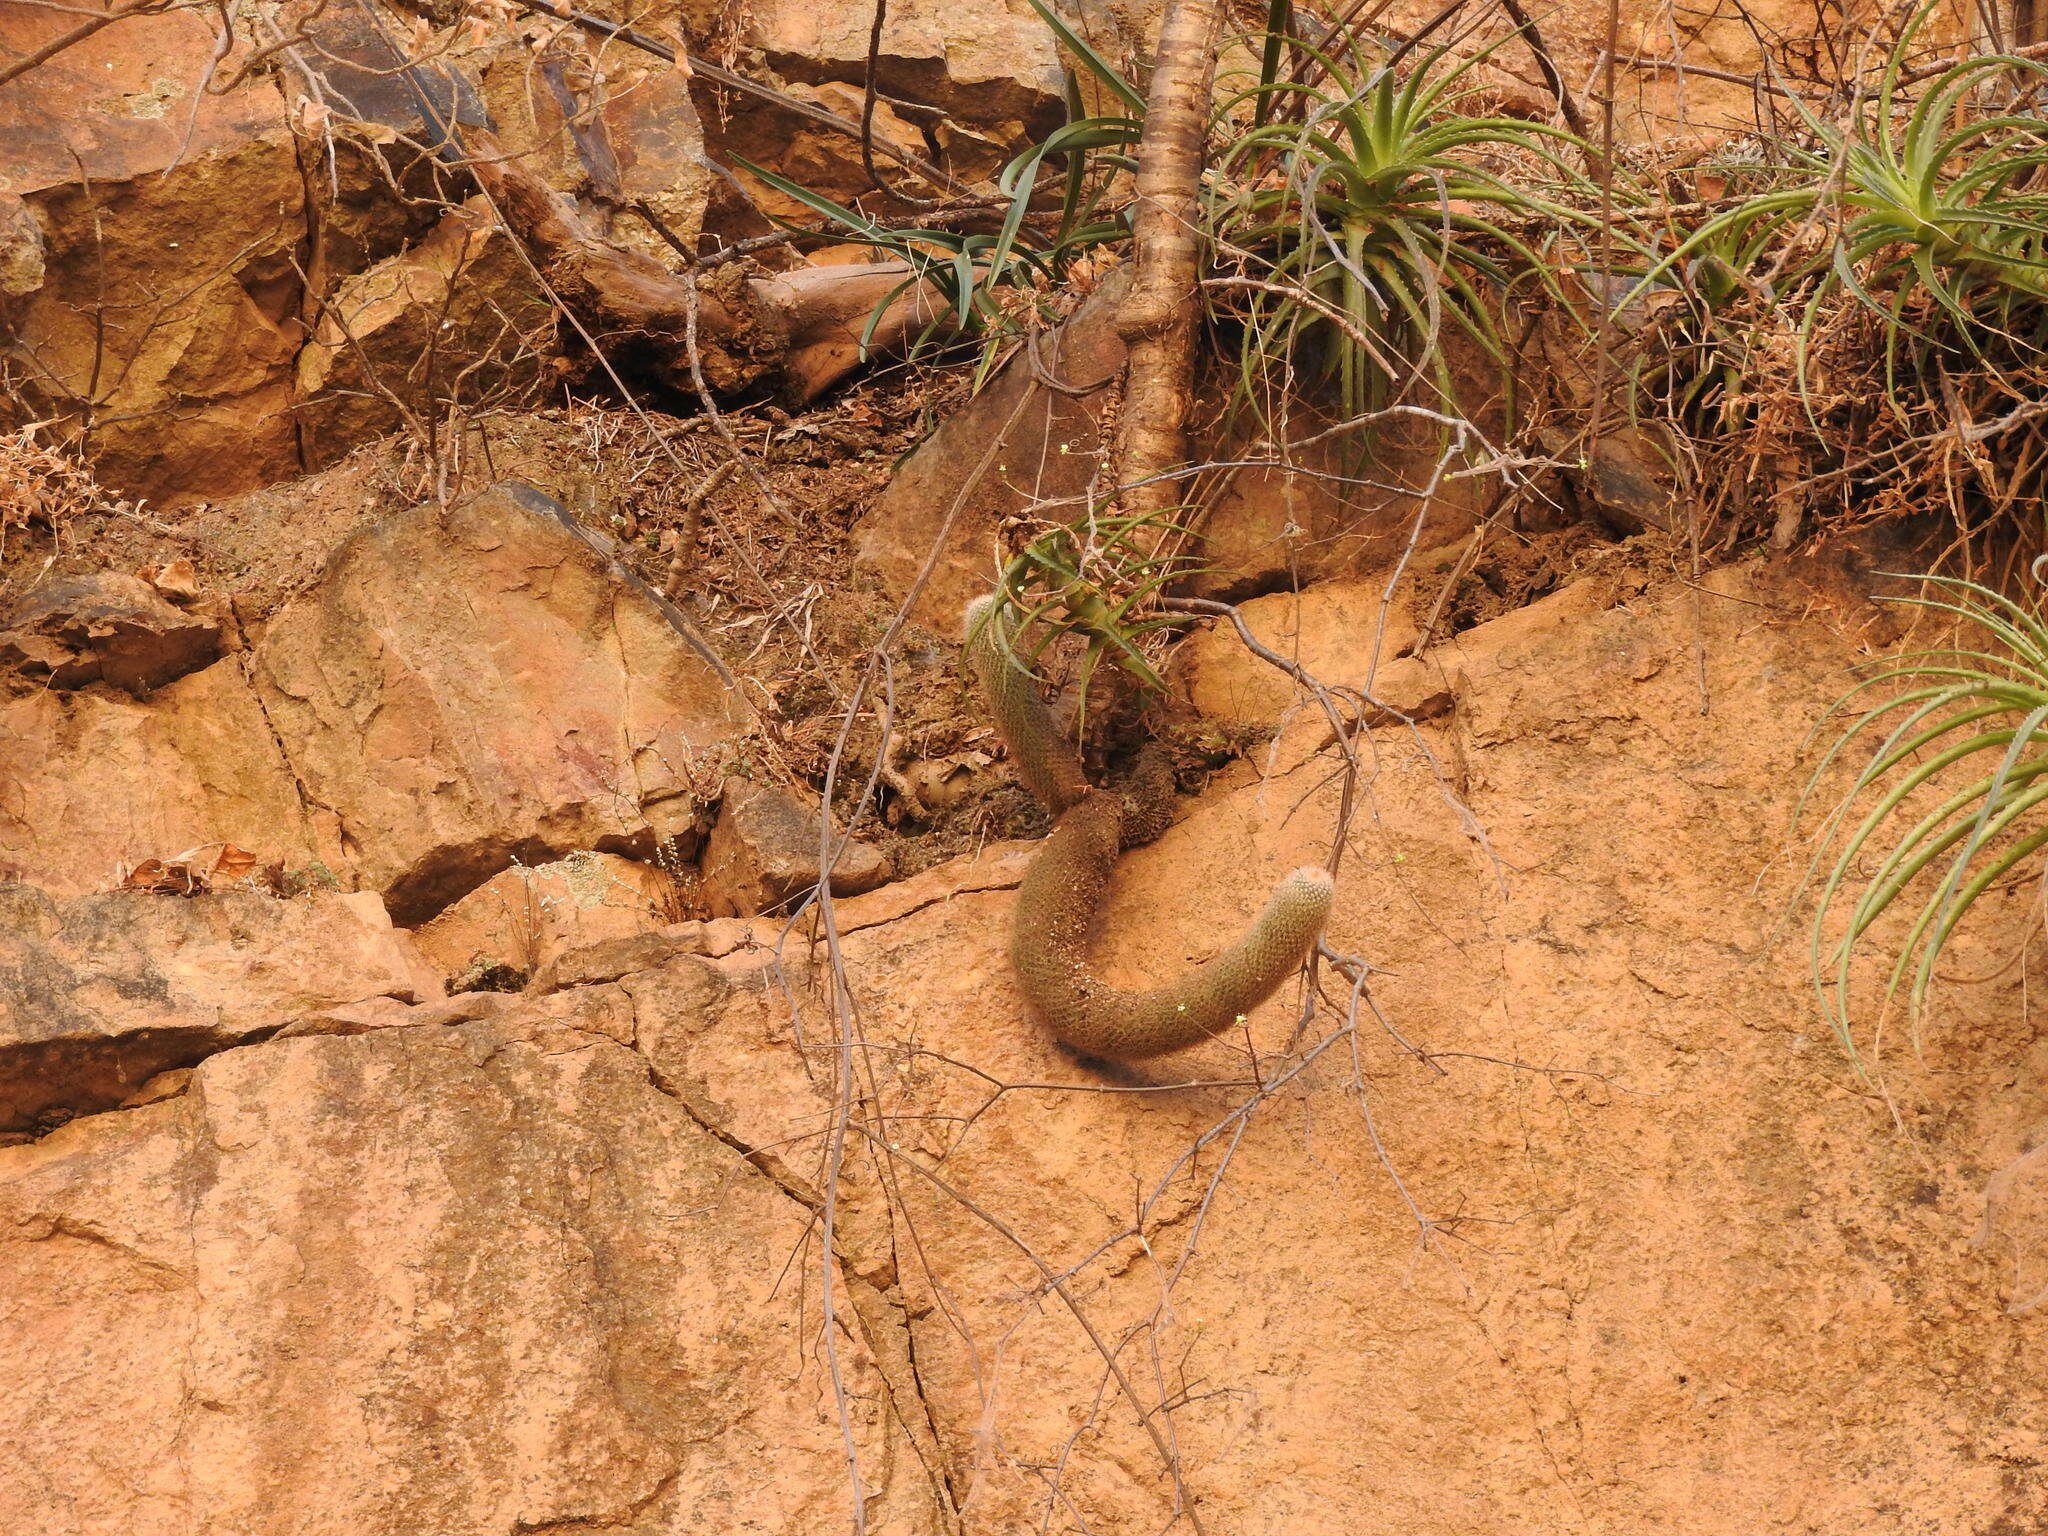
1063, 890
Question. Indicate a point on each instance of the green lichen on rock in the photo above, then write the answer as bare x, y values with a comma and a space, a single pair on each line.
1063, 890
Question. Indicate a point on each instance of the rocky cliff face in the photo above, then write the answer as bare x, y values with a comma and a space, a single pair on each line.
421, 1112
1582, 1224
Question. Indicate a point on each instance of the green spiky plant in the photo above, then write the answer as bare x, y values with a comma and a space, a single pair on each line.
1095, 579
1921, 205
1696, 360
1964, 727
1367, 203
1055, 212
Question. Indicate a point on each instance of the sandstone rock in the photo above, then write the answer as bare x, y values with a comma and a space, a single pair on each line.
1342, 632
99, 993
588, 965
969, 84
522, 1268
185, 326
526, 915
449, 321
1619, 1067
21, 248
1040, 444
1352, 505
459, 1279
2015, 1227
818, 159
990, 63
470, 687
105, 628
93, 783
457, 692
763, 852
177, 321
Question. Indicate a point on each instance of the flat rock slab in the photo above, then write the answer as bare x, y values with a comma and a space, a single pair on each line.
444, 1279
106, 627
100, 993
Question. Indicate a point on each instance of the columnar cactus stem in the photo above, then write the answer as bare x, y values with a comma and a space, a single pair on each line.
1063, 890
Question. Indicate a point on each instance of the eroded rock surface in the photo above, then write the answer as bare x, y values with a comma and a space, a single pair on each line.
525, 916
100, 993
1029, 446
470, 685
462, 1279
763, 853
461, 688
106, 628
508, 1260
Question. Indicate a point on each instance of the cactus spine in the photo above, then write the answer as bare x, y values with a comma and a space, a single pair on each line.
1063, 889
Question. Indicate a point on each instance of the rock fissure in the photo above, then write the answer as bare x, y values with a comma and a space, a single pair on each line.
623, 1520
308, 801
884, 1317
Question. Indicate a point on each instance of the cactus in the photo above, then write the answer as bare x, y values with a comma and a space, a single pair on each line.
1062, 890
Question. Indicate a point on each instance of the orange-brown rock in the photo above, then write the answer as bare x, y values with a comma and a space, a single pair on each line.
526, 915
517, 1261
985, 64
763, 852
177, 324
94, 782
1350, 630
462, 688
458, 1277
1018, 442
106, 628
100, 993
468, 686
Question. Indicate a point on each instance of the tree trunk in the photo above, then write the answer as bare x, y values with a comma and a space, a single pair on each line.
1157, 320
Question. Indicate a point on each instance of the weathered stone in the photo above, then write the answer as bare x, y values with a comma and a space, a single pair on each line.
99, 993
1618, 1065
526, 915
449, 321
470, 686
464, 1279
93, 783
185, 327
106, 628
1016, 443
2015, 1227
588, 965
178, 322
391, 1013
989, 63
474, 1274
459, 691
1627, 486
21, 248
763, 852
1343, 633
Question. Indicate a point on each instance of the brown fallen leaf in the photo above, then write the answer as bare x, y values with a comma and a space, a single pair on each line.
209, 867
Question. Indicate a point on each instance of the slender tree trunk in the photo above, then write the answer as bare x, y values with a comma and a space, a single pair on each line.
1157, 318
